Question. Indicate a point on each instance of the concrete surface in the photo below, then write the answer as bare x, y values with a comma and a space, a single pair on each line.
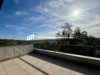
35, 64
13, 51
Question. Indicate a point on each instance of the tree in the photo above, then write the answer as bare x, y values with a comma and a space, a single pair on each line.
58, 35
13, 42
78, 34
66, 32
84, 34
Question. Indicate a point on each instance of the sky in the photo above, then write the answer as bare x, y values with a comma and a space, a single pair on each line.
44, 18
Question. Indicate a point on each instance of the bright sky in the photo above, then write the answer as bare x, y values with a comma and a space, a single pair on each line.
20, 18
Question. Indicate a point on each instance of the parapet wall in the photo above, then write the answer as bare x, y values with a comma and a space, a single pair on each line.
73, 57
14, 51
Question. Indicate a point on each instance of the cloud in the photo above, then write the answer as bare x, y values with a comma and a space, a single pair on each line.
46, 35
16, 27
58, 12
33, 18
16, 1
21, 13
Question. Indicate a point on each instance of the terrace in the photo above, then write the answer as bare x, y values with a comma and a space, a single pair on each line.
35, 64
74, 52
38, 63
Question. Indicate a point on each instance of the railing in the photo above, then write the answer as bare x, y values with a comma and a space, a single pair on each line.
73, 57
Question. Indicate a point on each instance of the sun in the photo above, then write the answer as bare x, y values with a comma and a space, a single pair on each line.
75, 13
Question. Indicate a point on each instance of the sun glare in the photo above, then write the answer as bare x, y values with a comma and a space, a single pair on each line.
76, 13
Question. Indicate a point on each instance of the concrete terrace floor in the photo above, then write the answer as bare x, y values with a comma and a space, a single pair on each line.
36, 64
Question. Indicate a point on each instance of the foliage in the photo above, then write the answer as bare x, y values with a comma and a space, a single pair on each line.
12, 42
68, 41
73, 41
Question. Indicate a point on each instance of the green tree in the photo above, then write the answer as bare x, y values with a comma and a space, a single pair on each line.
13, 42
78, 34
66, 32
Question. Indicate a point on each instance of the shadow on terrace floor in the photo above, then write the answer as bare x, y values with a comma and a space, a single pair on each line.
78, 67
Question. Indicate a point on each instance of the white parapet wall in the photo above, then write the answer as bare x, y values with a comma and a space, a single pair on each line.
14, 51
74, 57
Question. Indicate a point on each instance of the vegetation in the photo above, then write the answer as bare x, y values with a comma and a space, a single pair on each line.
73, 41
68, 41
12, 42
